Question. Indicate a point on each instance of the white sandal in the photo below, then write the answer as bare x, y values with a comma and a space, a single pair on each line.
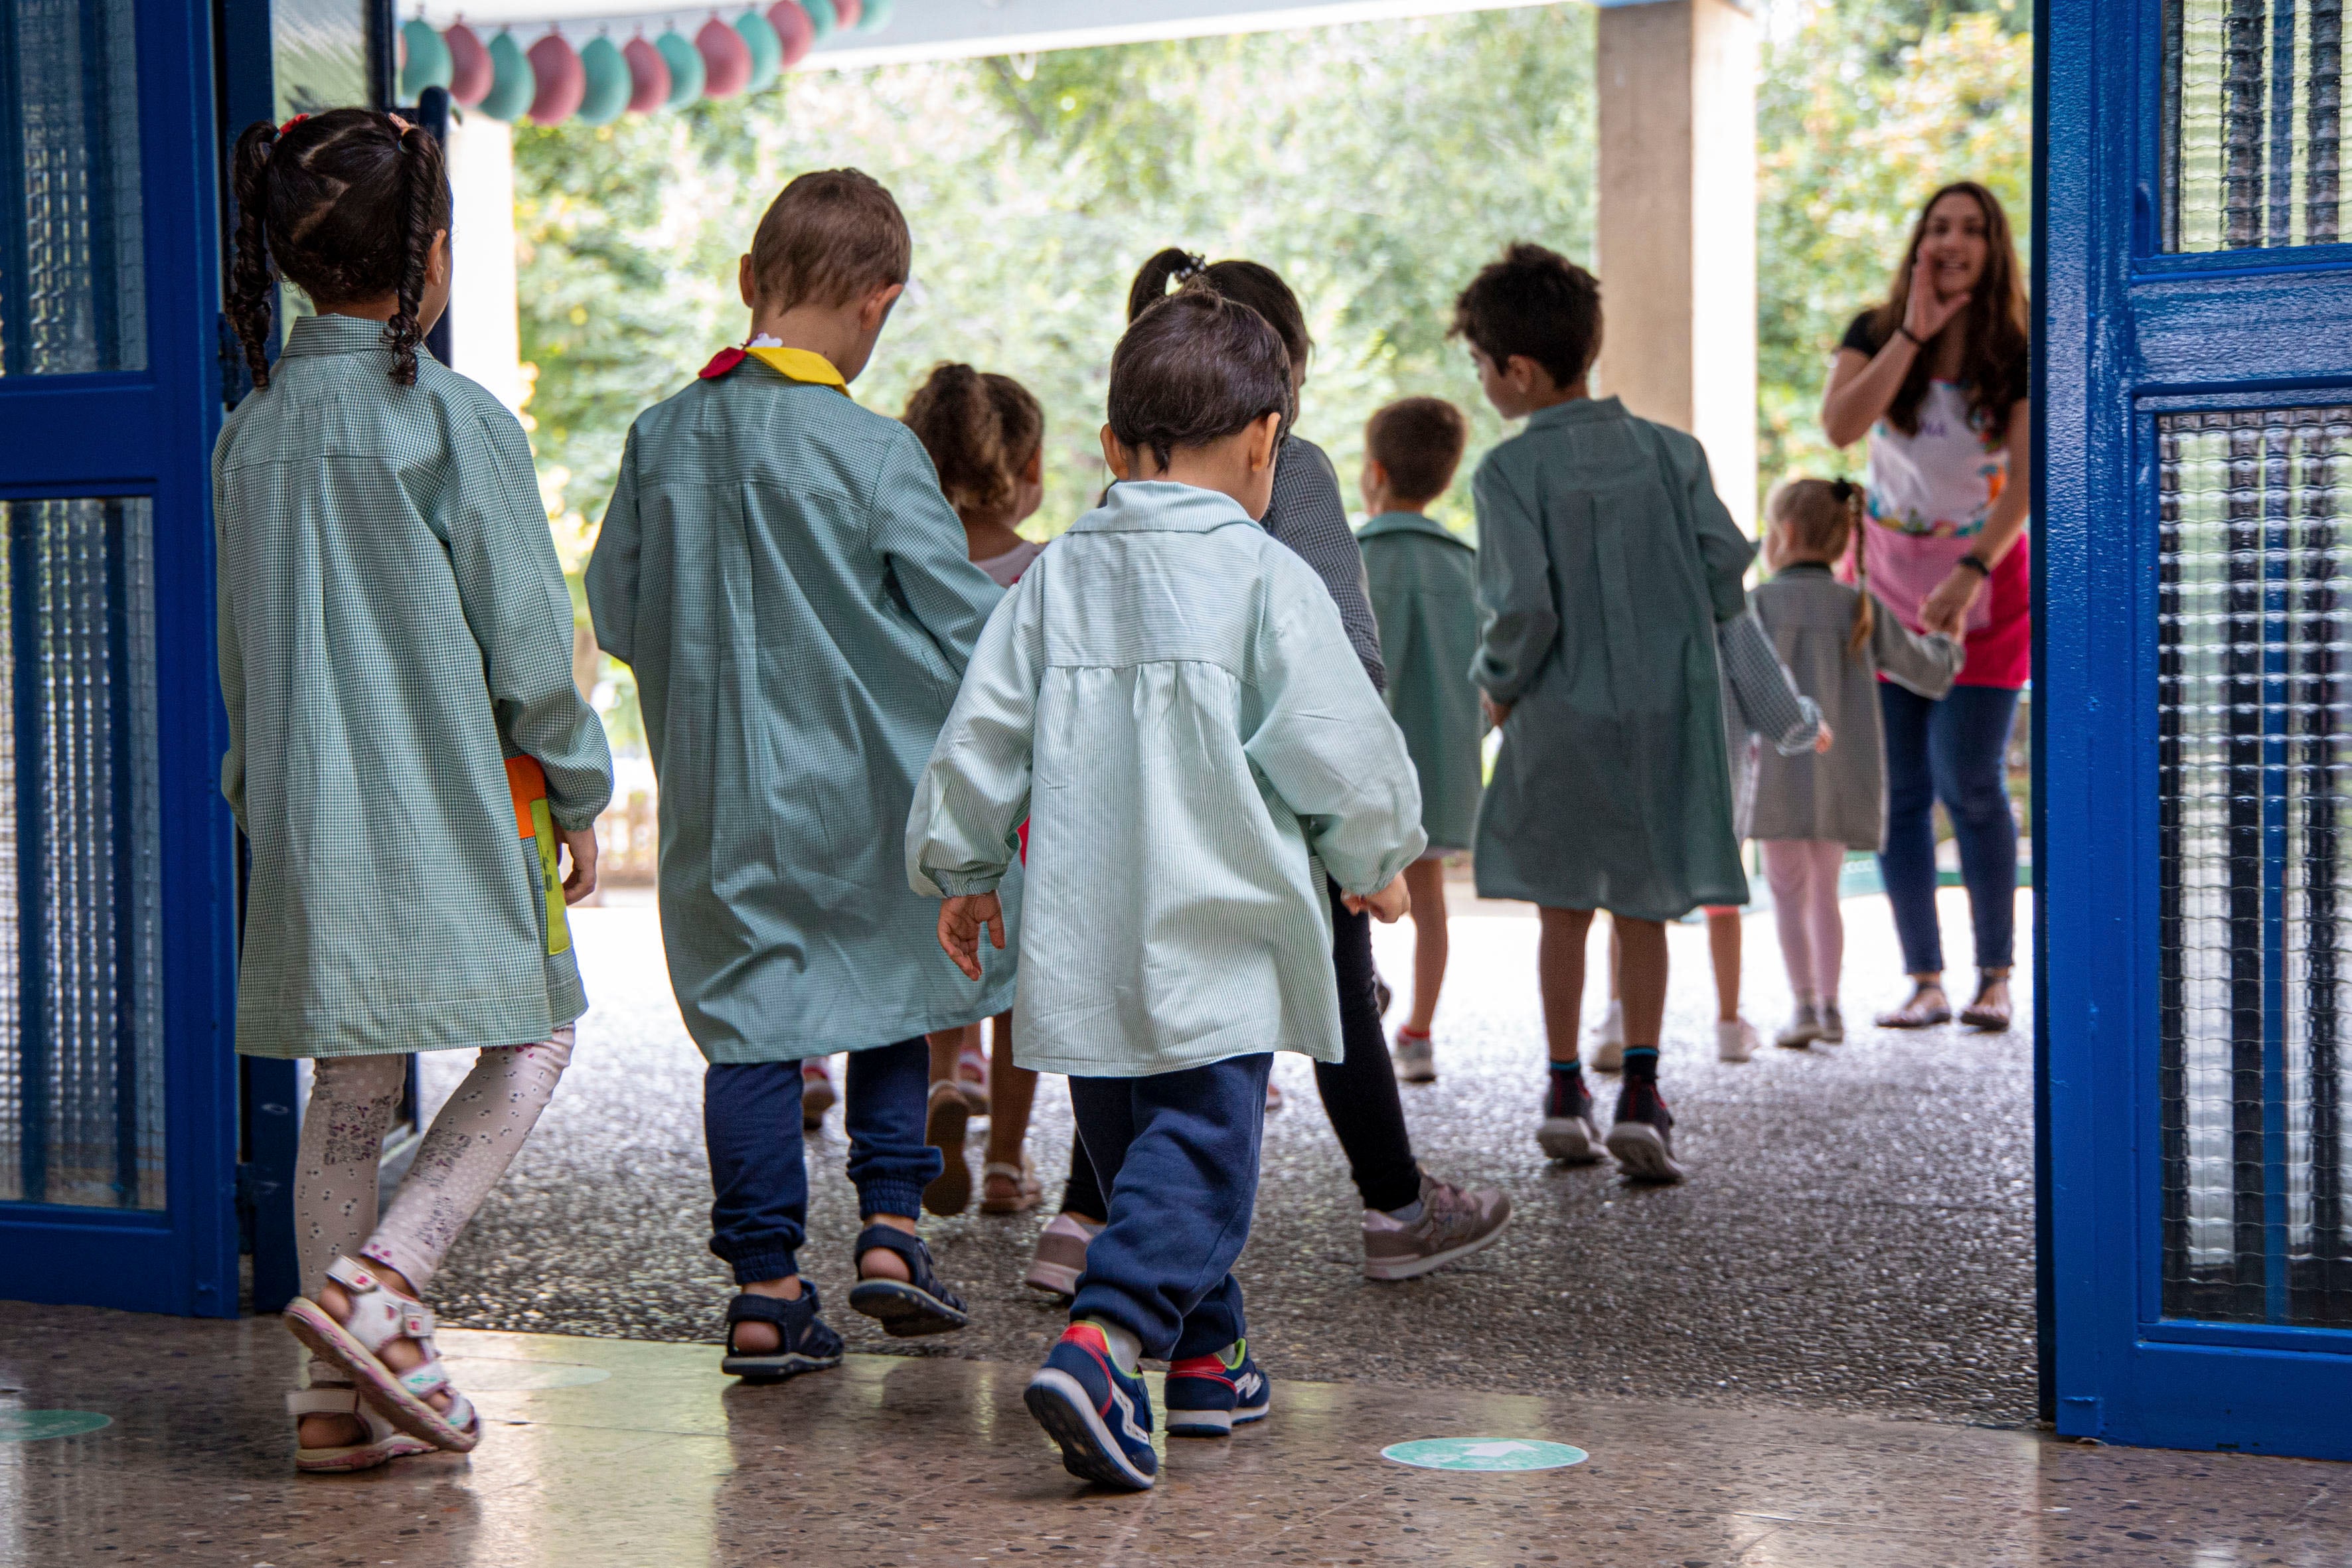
1027, 1190
378, 1318
384, 1442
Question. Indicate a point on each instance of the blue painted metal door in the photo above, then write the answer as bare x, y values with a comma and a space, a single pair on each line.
117, 1122
2196, 749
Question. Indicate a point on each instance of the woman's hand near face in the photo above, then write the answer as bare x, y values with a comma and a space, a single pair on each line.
1925, 313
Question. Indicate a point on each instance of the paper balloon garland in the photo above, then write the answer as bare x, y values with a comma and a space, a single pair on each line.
767, 50
604, 82
649, 76
823, 20
726, 59
875, 15
469, 67
428, 63
511, 86
793, 30
845, 14
685, 64
559, 81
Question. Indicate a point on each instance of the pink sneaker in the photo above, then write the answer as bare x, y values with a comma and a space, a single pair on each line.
1060, 1255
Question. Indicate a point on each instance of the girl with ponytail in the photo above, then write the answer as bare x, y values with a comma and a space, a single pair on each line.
406, 752
1838, 642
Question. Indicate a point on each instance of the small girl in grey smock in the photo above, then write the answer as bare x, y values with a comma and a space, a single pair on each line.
1838, 642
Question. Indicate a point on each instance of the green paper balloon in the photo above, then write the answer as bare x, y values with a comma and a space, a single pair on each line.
877, 15
685, 62
429, 63
767, 50
513, 84
607, 92
823, 19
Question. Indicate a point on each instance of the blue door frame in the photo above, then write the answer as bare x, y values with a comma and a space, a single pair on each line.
2136, 335
148, 434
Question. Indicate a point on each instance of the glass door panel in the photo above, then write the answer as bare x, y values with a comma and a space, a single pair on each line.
2253, 112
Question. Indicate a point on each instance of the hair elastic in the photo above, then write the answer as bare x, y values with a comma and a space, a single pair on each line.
292, 123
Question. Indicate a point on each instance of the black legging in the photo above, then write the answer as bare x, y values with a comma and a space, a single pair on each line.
1359, 1091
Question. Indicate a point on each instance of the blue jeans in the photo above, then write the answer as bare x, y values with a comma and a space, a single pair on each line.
759, 1171
1953, 751
1177, 1154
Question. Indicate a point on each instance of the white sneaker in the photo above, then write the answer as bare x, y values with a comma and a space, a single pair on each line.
1735, 1041
1804, 1028
1833, 1024
1609, 1040
1416, 1058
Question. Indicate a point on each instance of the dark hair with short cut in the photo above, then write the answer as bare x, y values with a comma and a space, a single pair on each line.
345, 205
828, 238
980, 431
1419, 441
1196, 368
1248, 283
1535, 303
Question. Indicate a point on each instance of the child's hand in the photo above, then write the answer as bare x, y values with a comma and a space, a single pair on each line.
961, 919
581, 845
1822, 741
1388, 905
1497, 713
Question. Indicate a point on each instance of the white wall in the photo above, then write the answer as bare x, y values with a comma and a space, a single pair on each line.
485, 336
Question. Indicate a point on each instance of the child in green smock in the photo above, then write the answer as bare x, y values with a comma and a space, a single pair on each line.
780, 571
1423, 583
1605, 562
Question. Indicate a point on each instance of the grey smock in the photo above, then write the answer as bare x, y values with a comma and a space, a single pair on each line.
1425, 593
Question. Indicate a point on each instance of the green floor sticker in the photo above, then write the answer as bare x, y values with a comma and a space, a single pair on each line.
1484, 1454
32, 1425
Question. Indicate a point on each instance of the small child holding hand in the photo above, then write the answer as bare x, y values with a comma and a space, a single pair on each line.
1179, 687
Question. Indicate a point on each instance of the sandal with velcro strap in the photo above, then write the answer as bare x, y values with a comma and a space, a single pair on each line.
907, 1308
380, 1316
806, 1342
384, 1442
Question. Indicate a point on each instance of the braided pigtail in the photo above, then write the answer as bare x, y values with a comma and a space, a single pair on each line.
1172, 265
1865, 615
420, 156
249, 279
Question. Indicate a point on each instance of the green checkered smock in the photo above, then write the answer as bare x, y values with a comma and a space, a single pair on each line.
1425, 592
393, 625
780, 571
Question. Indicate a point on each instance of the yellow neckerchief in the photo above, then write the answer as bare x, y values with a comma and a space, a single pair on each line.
800, 365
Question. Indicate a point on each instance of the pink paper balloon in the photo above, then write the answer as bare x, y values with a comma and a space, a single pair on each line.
469, 67
793, 30
555, 66
847, 12
649, 76
726, 59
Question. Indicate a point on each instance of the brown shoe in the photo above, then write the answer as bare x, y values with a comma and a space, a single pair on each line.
1454, 1222
943, 1126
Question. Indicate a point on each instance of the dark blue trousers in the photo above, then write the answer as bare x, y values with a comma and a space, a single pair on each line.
1177, 1154
1954, 750
759, 1170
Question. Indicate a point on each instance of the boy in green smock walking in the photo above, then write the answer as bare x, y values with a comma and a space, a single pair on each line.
1423, 583
1606, 564
780, 571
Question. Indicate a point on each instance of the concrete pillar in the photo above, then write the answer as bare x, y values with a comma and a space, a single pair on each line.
1677, 226
485, 333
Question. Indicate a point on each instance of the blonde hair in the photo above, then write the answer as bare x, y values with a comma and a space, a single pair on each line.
1822, 518
980, 431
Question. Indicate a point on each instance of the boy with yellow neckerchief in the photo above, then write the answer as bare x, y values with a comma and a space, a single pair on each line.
780, 569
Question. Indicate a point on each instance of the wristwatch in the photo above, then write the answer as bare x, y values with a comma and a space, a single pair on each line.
1976, 563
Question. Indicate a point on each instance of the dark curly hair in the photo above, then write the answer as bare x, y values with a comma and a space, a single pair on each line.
1535, 303
343, 204
980, 429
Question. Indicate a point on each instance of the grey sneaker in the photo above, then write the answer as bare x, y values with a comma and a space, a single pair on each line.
1566, 1133
1454, 1222
1804, 1028
1416, 1058
1833, 1024
1060, 1255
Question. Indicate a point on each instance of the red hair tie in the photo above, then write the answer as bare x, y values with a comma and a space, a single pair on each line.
292, 123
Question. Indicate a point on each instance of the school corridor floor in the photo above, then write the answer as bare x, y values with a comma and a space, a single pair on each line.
1816, 1352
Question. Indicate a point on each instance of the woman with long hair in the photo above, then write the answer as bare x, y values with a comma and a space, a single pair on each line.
1936, 376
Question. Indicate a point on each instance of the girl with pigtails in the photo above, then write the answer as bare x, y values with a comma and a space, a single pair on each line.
407, 753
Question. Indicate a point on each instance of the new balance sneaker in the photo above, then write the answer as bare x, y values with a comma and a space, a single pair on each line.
1209, 1396
1454, 1222
1100, 1417
1609, 1039
1804, 1028
1415, 1056
1735, 1041
1568, 1132
1833, 1024
816, 1093
1060, 1255
1642, 1141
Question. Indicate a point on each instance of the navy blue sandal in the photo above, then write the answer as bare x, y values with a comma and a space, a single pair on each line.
807, 1344
908, 1308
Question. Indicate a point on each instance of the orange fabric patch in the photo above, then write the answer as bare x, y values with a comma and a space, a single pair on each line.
526, 782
